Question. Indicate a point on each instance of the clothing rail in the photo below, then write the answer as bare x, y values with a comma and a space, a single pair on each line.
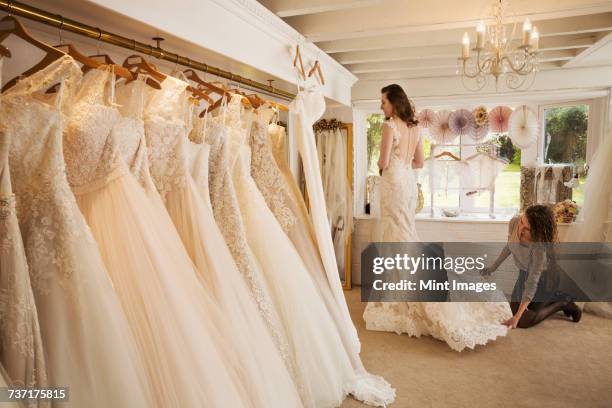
62, 23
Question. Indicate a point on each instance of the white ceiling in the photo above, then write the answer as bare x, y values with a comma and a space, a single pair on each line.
385, 40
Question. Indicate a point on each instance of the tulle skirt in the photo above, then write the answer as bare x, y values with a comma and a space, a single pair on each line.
265, 375
178, 328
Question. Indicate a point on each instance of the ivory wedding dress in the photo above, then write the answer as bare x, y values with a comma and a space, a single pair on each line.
87, 342
265, 378
21, 349
324, 371
460, 324
174, 320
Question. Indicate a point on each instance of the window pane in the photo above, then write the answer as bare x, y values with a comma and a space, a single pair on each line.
565, 139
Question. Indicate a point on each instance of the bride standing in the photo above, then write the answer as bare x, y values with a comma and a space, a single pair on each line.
460, 325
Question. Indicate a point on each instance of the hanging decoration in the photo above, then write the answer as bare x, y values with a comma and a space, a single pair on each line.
523, 128
498, 119
461, 122
426, 117
440, 131
481, 123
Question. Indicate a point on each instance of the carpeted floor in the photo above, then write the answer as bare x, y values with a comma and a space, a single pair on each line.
555, 364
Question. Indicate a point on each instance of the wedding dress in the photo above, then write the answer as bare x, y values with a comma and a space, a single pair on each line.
324, 371
5, 381
174, 320
21, 349
266, 380
460, 324
87, 342
229, 220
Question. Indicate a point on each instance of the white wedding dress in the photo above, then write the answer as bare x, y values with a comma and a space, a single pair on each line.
21, 349
87, 342
324, 371
460, 324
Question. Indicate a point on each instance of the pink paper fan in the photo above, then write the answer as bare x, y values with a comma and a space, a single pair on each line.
499, 118
480, 132
461, 122
426, 117
439, 130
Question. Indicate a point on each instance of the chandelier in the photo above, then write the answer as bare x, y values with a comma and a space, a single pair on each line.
499, 55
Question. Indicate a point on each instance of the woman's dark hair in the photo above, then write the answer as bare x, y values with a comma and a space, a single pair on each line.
542, 223
401, 104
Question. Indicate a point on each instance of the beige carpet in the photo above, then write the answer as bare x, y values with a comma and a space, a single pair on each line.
555, 364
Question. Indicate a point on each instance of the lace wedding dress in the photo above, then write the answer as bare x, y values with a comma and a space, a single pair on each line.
87, 342
174, 320
324, 371
265, 378
21, 349
460, 324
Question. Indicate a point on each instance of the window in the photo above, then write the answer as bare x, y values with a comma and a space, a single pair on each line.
565, 139
507, 184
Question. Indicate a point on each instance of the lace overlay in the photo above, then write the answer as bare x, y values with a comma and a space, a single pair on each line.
21, 353
165, 117
460, 325
267, 176
227, 215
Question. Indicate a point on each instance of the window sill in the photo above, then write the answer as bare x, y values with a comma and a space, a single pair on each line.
462, 218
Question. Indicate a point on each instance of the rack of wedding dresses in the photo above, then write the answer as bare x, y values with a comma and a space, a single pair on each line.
146, 249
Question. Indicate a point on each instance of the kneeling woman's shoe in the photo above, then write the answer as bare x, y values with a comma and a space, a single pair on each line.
572, 310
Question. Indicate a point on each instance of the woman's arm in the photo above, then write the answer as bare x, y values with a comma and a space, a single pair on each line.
514, 320
419, 155
386, 144
505, 253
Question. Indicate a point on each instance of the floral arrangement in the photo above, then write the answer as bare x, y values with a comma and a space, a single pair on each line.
565, 211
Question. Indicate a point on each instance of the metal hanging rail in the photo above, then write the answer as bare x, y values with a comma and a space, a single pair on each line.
62, 23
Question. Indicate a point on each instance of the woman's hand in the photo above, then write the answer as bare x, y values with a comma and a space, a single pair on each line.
512, 322
488, 270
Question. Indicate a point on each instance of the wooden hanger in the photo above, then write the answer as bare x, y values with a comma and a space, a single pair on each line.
105, 59
488, 155
317, 68
191, 75
447, 154
10, 25
137, 64
298, 58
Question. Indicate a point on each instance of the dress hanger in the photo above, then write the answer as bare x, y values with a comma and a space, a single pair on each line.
10, 25
105, 59
317, 68
489, 155
447, 154
296, 59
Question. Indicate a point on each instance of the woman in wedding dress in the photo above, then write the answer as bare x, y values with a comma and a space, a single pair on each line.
459, 324
257, 361
87, 342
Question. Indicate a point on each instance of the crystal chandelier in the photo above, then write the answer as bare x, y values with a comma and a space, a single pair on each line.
499, 55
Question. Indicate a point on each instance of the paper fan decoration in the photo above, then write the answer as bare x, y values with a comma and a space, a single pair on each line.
426, 117
461, 122
523, 127
481, 123
439, 130
498, 119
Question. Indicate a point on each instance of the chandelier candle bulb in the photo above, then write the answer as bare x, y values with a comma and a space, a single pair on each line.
466, 46
534, 39
480, 34
526, 32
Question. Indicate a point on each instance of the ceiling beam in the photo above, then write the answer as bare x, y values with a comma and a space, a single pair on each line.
292, 8
396, 21
604, 40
